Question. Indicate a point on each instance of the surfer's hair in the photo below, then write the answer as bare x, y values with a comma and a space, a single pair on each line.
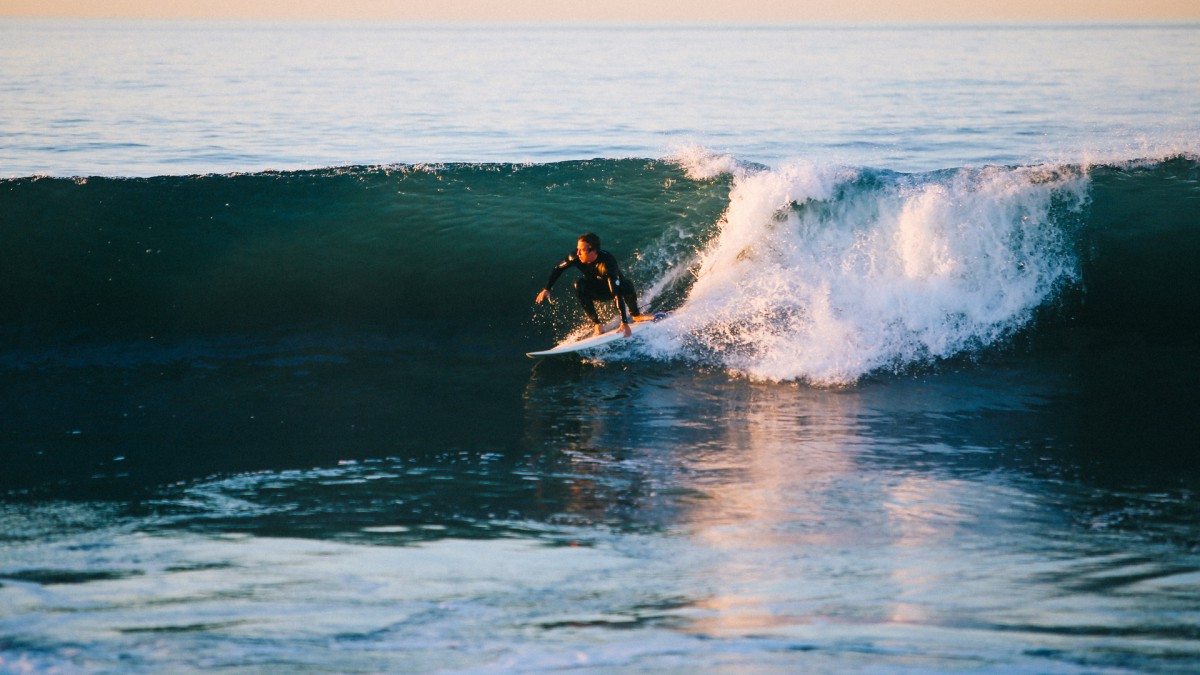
591, 239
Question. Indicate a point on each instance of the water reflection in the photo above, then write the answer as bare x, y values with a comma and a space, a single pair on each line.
644, 518
756, 476
940, 503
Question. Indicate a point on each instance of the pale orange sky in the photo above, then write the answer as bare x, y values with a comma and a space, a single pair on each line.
651, 11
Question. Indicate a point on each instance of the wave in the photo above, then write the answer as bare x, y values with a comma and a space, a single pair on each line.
346, 249
803, 272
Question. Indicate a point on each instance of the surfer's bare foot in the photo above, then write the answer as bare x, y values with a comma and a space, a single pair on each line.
599, 330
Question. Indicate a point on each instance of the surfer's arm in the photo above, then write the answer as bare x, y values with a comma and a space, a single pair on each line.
622, 311
555, 274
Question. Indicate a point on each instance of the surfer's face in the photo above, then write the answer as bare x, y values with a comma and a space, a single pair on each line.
586, 253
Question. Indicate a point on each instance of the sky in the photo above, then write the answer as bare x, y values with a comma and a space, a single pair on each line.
626, 11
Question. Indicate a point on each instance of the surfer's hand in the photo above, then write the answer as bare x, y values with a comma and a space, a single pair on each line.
544, 295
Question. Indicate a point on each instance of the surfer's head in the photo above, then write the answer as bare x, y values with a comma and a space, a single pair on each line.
588, 247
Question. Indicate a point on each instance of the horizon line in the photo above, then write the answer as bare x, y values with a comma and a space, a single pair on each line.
649, 23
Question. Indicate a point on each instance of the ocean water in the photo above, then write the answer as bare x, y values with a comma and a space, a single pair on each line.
924, 403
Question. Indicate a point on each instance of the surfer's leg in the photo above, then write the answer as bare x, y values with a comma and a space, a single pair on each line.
586, 299
629, 295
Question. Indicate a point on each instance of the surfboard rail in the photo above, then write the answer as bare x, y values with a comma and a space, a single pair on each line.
574, 346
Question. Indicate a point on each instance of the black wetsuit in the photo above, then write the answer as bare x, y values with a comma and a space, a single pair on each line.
601, 280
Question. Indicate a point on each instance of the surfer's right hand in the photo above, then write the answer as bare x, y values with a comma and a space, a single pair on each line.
544, 295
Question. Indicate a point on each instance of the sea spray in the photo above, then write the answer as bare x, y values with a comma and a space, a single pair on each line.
825, 274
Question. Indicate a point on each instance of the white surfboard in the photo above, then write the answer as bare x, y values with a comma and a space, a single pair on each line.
572, 346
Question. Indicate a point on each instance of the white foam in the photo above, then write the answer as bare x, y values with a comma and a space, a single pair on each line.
701, 163
826, 274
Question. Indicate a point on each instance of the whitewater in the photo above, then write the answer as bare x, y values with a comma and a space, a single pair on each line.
924, 402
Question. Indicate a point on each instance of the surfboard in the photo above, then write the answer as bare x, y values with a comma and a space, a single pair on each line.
574, 346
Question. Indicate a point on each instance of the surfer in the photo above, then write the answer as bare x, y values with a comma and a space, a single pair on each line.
601, 280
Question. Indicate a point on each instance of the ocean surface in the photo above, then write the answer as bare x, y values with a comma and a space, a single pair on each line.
925, 400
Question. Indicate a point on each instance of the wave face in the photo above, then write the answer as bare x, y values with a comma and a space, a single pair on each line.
338, 250
812, 273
